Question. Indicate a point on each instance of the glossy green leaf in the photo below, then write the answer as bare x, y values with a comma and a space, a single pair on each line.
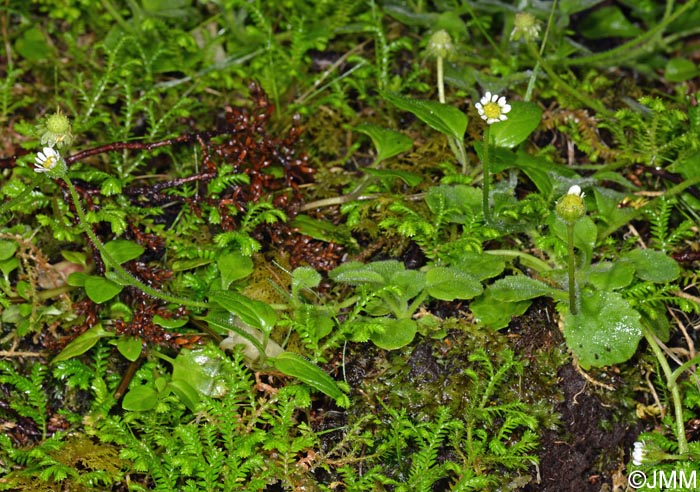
83, 343
456, 203
653, 265
496, 314
608, 22
387, 142
140, 399
8, 266
170, 323
397, 333
185, 392
520, 288
448, 284
309, 373
523, 119
122, 250
356, 273
611, 275
323, 230
252, 312
411, 179
680, 70
7, 249
606, 331
409, 282
201, 369
305, 278
77, 279
100, 290
32, 45
129, 347
479, 265
233, 266
441, 117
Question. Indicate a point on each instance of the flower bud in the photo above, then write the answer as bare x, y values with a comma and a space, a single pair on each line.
571, 207
525, 26
440, 44
56, 131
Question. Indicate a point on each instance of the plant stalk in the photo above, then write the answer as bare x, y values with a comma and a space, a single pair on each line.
487, 178
572, 268
124, 276
673, 387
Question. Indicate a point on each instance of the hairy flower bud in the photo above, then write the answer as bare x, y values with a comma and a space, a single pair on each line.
571, 207
440, 44
56, 131
525, 26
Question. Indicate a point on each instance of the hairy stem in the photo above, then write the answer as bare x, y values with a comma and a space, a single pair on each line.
572, 268
485, 186
124, 276
673, 387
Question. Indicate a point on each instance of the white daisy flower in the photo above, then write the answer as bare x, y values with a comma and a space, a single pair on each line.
493, 108
639, 453
45, 161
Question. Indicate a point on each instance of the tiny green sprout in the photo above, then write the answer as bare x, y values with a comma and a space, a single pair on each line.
49, 161
56, 130
570, 208
526, 27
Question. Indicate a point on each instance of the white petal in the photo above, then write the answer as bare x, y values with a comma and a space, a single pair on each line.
494, 98
502, 101
506, 108
575, 190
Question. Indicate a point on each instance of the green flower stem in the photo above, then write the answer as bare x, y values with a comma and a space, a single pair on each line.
572, 268
673, 387
536, 69
485, 186
124, 276
590, 102
440, 80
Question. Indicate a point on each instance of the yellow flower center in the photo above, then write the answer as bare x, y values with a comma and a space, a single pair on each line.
492, 110
49, 162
